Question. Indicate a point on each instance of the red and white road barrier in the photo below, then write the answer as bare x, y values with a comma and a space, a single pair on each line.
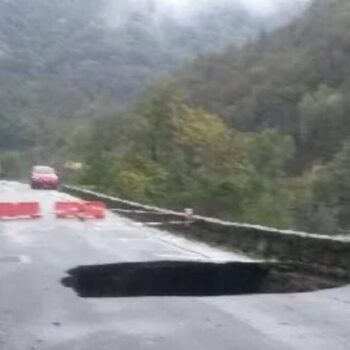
68, 209
77, 209
94, 210
20, 210
80, 209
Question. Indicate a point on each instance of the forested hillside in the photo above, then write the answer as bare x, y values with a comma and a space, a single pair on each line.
65, 62
296, 81
258, 134
256, 130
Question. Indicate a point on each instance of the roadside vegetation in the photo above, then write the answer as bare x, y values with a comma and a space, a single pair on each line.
256, 133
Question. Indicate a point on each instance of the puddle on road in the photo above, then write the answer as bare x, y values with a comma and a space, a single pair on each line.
183, 278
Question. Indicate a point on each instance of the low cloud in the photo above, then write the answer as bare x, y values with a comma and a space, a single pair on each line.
187, 10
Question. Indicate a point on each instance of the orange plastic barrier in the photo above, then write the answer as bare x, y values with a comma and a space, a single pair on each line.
94, 210
28, 209
23, 210
77, 209
68, 209
7, 210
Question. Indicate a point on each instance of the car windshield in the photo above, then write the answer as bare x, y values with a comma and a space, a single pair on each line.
43, 170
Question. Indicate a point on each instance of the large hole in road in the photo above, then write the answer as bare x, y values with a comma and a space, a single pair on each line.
177, 278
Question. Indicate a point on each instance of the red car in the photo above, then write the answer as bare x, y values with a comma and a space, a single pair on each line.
44, 177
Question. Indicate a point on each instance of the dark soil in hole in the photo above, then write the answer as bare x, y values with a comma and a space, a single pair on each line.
171, 278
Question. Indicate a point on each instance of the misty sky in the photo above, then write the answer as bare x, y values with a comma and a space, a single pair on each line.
185, 10
261, 6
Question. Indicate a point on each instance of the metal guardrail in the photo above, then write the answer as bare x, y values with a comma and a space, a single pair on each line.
134, 208
323, 255
147, 209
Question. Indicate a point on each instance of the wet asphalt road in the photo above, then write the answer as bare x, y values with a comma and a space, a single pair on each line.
38, 313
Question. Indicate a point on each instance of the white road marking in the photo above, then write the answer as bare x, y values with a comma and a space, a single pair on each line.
179, 257
138, 224
133, 239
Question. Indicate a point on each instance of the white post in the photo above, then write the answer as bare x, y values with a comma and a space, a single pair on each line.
189, 215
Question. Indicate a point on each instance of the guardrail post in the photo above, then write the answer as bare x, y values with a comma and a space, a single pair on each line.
188, 215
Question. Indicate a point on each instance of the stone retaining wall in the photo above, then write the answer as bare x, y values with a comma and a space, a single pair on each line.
323, 254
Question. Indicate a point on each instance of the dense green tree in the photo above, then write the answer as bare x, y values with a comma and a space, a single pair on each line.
295, 80
178, 155
332, 193
321, 116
